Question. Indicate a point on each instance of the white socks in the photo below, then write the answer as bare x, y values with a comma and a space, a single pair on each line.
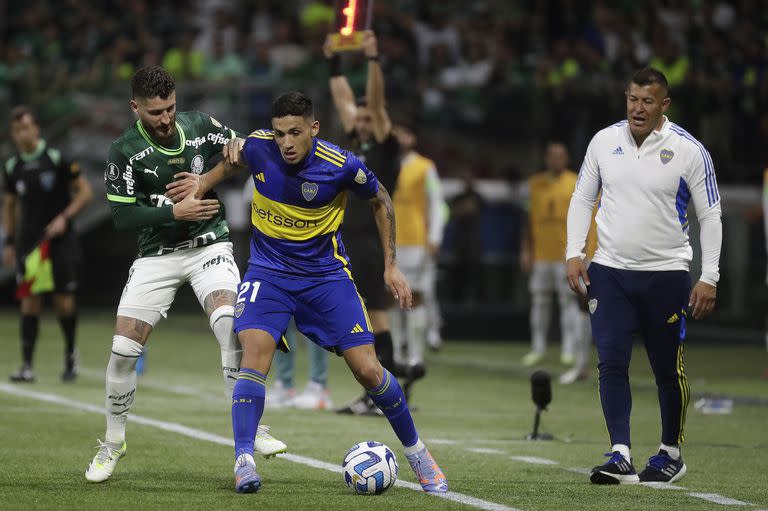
541, 309
222, 322
623, 450
416, 334
673, 451
121, 386
419, 445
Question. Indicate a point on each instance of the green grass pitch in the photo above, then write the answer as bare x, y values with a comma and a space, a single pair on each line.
472, 410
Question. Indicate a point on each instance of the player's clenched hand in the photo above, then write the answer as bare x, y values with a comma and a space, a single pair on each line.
398, 286
328, 47
702, 300
184, 184
232, 151
193, 209
370, 44
576, 272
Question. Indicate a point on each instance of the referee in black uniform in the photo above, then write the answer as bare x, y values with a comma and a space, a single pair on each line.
50, 191
368, 125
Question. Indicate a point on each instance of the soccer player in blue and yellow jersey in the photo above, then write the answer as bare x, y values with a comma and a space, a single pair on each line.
298, 268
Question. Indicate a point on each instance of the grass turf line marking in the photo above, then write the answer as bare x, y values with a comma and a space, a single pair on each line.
198, 434
484, 450
534, 460
719, 499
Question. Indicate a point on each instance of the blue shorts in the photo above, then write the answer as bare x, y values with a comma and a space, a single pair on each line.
328, 310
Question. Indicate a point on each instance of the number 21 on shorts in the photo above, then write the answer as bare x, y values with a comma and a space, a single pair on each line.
248, 291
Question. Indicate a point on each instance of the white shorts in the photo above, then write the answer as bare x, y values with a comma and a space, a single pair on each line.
548, 277
153, 281
414, 262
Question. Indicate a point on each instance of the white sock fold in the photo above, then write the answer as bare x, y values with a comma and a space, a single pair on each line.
623, 450
419, 445
672, 450
222, 324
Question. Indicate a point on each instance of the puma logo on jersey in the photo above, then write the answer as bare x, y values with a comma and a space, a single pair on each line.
147, 171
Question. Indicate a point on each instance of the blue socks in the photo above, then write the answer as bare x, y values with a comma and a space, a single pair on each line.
247, 409
389, 397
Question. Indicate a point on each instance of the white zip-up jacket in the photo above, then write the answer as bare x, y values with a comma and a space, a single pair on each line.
642, 220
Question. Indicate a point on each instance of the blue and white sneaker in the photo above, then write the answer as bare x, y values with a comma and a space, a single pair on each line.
427, 472
663, 468
246, 478
617, 470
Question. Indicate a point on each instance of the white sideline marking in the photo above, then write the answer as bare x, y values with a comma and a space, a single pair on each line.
484, 450
198, 434
719, 499
442, 441
658, 485
578, 470
534, 460
149, 383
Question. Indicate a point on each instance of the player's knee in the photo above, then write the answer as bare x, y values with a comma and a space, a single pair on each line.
369, 373
125, 353
222, 325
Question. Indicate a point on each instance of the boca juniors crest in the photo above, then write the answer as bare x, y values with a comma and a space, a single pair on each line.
309, 190
666, 156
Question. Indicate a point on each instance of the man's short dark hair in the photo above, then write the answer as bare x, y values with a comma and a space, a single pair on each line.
649, 76
293, 103
18, 112
152, 82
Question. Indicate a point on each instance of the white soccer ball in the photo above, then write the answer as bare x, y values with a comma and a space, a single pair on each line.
369, 468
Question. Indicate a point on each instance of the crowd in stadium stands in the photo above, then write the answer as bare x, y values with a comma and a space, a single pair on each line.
529, 69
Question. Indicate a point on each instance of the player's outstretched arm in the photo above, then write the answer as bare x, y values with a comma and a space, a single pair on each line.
374, 89
384, 212
343, 97
232, 163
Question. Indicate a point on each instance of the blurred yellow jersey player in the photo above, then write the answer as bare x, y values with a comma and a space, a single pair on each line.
543, 256
419, 209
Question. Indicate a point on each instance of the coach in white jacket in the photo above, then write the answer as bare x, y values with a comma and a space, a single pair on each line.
648, 169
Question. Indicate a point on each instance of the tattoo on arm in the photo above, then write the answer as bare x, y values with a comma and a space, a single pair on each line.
217, 298
383, 200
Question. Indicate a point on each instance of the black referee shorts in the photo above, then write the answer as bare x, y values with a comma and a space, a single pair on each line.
367, 258
65, 259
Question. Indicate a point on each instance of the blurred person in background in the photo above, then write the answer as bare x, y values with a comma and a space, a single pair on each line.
466, 213
419, 206
541, 256
49, 191
368, 125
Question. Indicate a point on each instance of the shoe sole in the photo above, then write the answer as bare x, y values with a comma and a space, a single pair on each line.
602, 477
251, 487
268, 455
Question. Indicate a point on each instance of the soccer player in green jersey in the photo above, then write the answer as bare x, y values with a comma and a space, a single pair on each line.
177, 243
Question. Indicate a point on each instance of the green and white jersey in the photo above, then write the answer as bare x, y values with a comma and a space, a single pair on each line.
138, 169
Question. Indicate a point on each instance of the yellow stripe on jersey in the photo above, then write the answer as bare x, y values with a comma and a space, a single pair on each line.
331, 150
286, 222
326, 158
330, 156
262, 134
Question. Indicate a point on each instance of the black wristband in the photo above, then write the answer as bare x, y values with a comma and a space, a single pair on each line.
375, 58
334, 65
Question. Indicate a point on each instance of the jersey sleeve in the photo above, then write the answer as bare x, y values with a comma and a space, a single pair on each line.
118, 178
216, 133
702, 184
254, 147
359, 179
582, 203
9, 176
